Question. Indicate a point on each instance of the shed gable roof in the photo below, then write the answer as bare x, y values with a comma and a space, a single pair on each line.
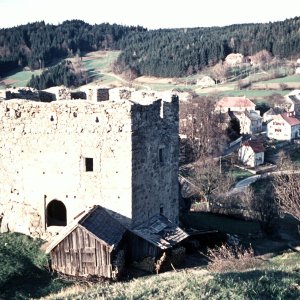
103, 225
98, 222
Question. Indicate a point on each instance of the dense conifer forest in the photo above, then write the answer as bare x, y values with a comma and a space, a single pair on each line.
62, 73
163, 52
37, 45
179, 52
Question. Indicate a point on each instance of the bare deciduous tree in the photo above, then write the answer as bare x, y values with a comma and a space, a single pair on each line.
262, 58
262, 205
206, 175
287, 192
278, 101
220, 72
203, 127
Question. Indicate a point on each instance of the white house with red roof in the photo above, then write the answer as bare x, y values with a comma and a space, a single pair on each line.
284, 127
235, 104
252, 153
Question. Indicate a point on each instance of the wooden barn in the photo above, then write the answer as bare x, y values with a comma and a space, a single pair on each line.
90, 245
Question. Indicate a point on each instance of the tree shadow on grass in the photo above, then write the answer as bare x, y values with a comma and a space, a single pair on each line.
30, 282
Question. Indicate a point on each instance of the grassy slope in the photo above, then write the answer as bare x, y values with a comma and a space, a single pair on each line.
98, 66
275, 279
24, 275
19, 79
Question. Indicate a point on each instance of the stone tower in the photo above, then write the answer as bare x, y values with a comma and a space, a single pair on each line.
58, 158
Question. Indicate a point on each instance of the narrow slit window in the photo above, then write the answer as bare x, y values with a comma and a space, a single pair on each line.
161, 209
161, 155
89, 164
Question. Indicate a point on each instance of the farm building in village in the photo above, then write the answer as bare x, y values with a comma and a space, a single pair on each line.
118, 151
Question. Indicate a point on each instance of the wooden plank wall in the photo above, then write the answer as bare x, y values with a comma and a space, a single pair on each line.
80, 254
140, 248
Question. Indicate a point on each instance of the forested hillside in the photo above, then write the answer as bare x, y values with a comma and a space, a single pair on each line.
37, 44
179, 52
163, 52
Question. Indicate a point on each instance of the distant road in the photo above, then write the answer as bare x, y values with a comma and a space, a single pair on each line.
247, 181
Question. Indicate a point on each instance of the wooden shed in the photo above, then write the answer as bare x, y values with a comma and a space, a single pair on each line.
90, 245
155, 236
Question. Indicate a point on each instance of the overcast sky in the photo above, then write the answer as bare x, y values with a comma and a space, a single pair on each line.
151, 14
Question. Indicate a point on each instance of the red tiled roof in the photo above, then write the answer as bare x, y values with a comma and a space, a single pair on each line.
256, 146
291, 119
235, 102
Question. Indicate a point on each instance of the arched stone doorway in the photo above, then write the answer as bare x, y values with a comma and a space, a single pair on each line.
56, 214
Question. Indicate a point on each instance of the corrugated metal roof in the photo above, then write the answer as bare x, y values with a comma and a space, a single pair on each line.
160, 232
98, 222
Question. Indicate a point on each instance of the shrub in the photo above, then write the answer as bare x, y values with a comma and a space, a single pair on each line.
231, 258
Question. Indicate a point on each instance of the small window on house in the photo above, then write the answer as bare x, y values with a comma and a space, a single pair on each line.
89, 164
161, 209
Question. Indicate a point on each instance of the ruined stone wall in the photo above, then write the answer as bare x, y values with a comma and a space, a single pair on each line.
155, 155
42, 157
43, 152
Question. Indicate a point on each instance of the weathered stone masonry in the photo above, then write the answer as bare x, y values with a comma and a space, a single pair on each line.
67, 155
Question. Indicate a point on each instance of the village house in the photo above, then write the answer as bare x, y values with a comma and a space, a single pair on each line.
250, 121
234, 104
234, 59
205, 81
297, 71
269, 114
294, 98
284, 127
251, 153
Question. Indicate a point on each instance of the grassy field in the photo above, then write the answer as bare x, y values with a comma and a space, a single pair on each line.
240, 174
292, 78
98, 66
19, 79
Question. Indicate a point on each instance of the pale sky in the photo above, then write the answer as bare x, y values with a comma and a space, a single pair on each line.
151, 14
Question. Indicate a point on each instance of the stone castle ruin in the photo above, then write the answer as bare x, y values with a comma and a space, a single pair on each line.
58, 158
